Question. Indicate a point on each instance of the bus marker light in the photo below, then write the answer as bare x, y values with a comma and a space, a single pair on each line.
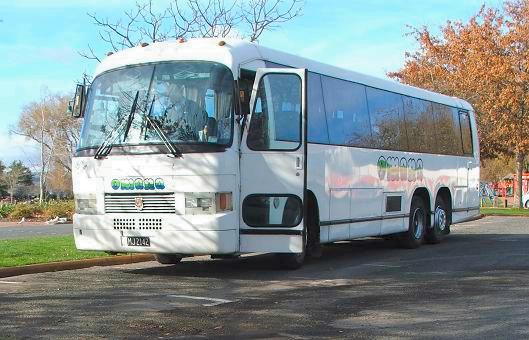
224, 202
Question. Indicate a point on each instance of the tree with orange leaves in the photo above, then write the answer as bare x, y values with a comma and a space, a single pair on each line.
486, 62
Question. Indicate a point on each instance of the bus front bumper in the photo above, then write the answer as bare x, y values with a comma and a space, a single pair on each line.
171, 236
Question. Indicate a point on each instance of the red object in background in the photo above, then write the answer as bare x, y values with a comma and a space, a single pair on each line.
507, 187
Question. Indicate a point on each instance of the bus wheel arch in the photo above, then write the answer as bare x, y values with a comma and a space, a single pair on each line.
312, 216
311, 235
425, 196
418, 221
446, 196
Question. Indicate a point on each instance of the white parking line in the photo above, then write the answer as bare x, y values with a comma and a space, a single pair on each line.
9, 282
215, 303
380, 265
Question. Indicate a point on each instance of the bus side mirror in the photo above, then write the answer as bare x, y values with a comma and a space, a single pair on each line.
77, 105
69, 110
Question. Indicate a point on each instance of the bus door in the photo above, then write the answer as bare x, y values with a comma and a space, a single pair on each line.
273, 163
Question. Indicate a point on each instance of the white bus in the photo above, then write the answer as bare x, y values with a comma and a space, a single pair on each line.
225, 147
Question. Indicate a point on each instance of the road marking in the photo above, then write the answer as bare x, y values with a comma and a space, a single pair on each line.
9, 282
380, 265
215, 303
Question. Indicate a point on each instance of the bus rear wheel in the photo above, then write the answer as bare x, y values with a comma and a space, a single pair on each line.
168, 258
414, 237
440, 225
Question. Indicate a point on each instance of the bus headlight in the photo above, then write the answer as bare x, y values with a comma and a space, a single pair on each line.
86, 206
200, 203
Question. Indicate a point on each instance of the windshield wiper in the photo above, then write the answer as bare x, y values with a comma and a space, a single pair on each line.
108, 143
173, 149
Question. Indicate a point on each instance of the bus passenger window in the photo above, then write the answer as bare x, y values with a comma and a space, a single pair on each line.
346, 111
466, 133
386, 110
447, 130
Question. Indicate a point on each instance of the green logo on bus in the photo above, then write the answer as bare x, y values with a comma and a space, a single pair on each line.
400, 169
138, 184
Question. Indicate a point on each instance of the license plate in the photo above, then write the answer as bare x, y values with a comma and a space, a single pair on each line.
137, 241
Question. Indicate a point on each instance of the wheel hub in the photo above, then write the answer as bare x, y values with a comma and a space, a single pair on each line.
418, 223
440, 218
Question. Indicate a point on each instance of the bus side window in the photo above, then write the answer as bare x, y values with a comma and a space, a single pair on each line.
317, 124
386, 112
466, 133
346, 112
420, 125
447, 130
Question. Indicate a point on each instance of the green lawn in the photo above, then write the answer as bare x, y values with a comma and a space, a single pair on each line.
505, 211
20, 252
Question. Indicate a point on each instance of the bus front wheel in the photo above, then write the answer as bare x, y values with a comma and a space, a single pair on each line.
413, 238
168, 258
291, 260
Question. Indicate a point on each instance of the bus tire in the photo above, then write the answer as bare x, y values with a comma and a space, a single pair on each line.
414, 237
293, 261
438, 230
168, 258
313, 247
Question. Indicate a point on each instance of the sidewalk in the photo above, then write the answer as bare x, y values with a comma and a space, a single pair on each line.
12, 224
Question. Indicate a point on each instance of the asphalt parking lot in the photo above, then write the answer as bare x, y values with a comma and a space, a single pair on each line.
474, 285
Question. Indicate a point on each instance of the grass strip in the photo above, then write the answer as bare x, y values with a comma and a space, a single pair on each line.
19, 252
505, 211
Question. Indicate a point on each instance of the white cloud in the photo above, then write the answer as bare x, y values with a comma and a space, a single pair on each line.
15, 147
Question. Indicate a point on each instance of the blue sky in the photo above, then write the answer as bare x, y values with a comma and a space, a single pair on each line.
40, 40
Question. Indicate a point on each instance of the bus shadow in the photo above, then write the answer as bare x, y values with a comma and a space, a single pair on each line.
335, 256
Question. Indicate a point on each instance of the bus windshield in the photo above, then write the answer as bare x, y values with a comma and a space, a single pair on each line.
191, 101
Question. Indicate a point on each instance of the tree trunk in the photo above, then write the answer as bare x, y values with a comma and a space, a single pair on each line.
41, 179
520, 157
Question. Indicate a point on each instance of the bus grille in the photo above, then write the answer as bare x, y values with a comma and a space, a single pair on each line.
146, 203
141, 224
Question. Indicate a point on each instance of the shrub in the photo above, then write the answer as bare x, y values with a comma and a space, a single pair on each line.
53, 209
6, 209
26, 210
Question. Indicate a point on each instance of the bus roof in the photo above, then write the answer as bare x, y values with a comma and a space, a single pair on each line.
236, 52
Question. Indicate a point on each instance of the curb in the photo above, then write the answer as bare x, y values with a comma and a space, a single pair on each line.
76, 264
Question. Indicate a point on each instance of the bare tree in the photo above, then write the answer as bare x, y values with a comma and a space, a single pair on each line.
247, 19
263, 15
57, 134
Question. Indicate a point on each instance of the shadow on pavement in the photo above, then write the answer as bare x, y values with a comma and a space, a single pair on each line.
337, 256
